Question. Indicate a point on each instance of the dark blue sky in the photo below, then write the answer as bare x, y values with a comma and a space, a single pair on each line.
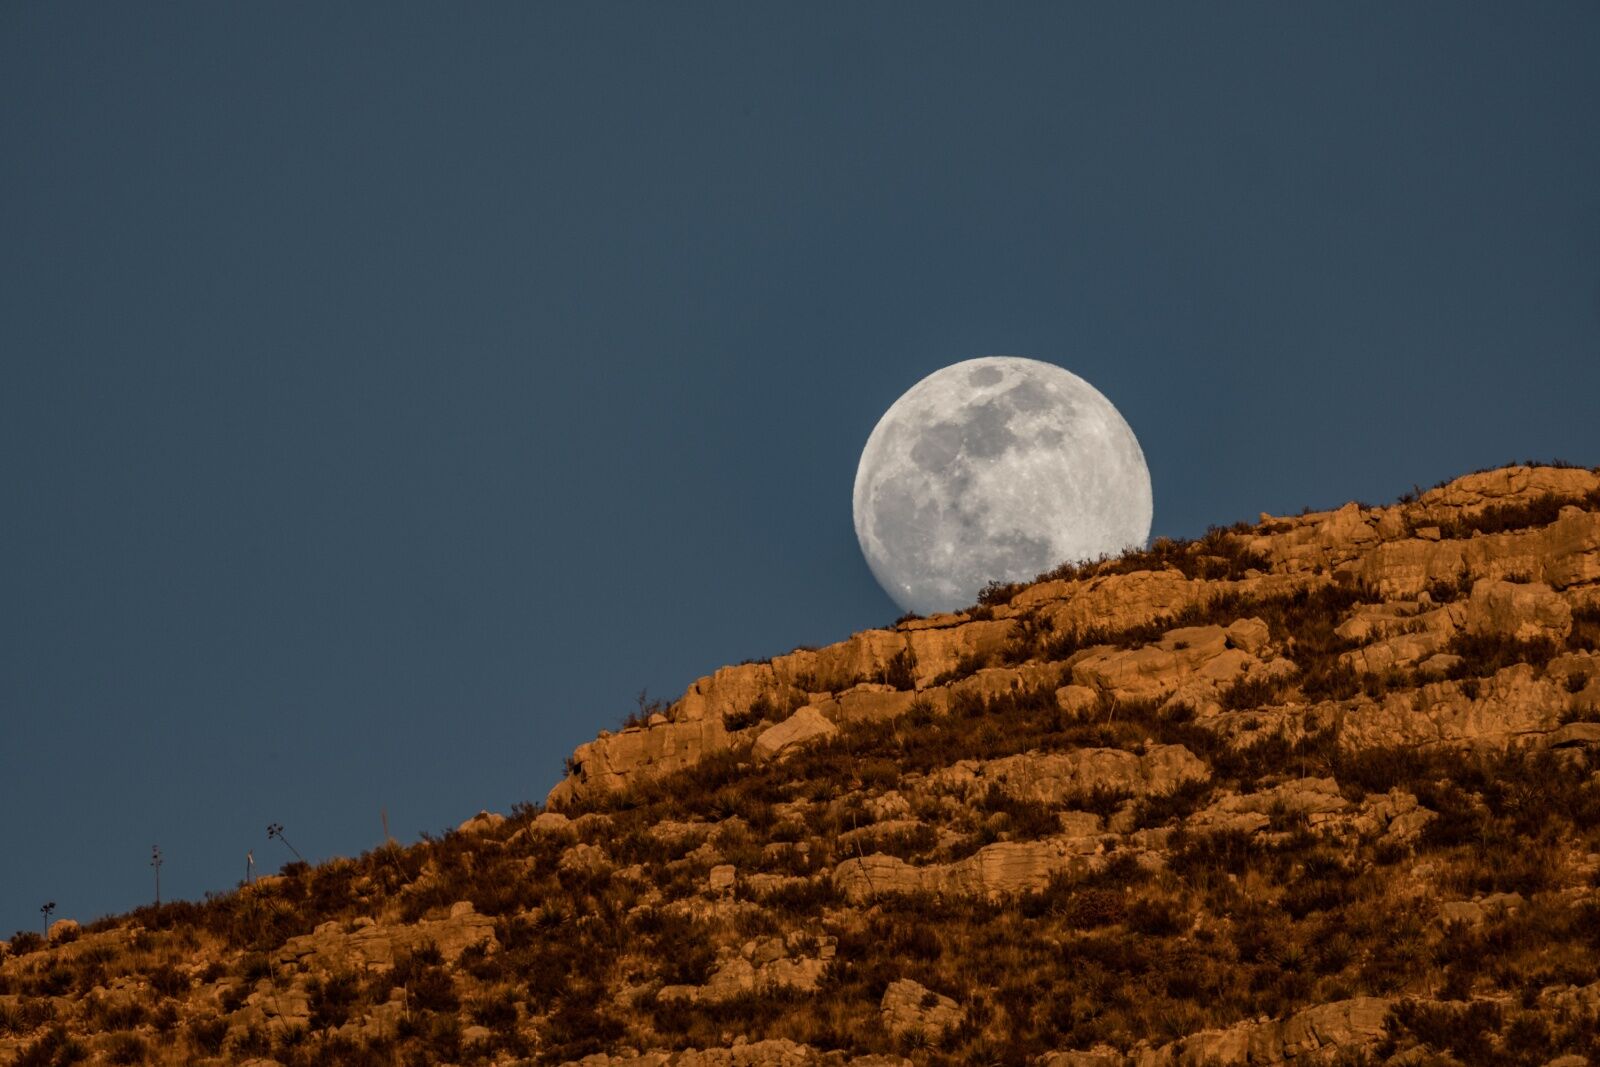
391, 392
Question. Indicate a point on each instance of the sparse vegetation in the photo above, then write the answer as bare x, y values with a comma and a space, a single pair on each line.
1221, 553
1209, 902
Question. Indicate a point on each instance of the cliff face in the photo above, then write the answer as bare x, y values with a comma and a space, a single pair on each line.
1321, 789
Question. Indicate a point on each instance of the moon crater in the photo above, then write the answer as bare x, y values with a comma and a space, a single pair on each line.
996, 468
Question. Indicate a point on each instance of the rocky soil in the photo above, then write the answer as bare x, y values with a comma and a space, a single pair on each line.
1320, 789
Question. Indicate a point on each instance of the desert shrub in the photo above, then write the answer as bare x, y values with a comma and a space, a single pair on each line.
967, 665
53, 1048
997, 592
498, 1012
207, 1033
582, 1023
1155, 916
906, 843
1328, 679
1323, 884
1024, 819
647, 707
1270, 755
25, 941
1253, 692
168, 981
126, 1048
1585, 628
1482, 654
809, 897
682, 944
760, 710
1501, 518
1201, 856
331, 997
165, 1017
1160, 809
29, 1014
1505, 864
428, 986
1467, 1029
1103, 801
1092, 908
115, 1015
250, 1042
53, 981
1217, 555
901, 671
1378, 770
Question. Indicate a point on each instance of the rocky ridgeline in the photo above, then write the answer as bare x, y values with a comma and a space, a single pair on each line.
1318, 790
1524, 583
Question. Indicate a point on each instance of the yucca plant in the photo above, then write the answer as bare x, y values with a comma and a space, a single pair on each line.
275, 830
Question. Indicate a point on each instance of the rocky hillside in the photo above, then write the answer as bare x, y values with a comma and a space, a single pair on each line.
1320, 789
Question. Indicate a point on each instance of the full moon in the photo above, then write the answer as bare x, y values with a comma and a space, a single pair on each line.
997, 468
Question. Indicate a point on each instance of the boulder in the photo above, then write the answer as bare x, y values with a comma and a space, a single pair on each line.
1516, 703
482, 823
1475, 912
1191, 656
1520, 611
995, 683
1440, 665
868, 656
909, 1007
868, 701
1374, 622
584, 859
733, 691
1099, 1056
613, 762
1004, 868
805, 727
1391, 653
1321, 1034
1007, 868
1078, 701
939, 651
1249, 635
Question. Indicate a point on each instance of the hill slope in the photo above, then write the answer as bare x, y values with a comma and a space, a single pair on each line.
1318, 790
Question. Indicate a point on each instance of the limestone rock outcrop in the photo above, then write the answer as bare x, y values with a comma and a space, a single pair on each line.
1520, 611
1062, 777
795, 963
911, 1008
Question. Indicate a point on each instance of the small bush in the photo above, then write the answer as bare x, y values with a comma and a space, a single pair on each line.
1484, 654
207, 1033
127, 1048
53, 1048
168, 981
